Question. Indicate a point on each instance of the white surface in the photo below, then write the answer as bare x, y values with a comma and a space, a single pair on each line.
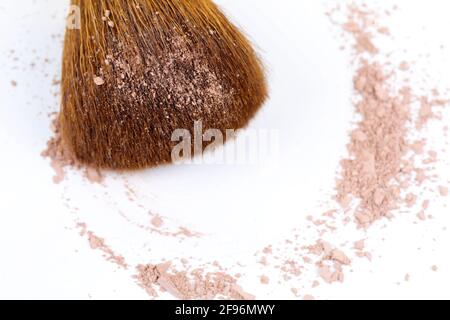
239, 209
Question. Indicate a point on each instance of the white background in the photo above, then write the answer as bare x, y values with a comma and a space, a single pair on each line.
239, 209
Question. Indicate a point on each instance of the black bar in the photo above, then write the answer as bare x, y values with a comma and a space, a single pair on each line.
187, 310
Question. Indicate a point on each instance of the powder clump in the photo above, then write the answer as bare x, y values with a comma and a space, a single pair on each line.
375, 170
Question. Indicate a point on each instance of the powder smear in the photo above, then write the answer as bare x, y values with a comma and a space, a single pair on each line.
61, 157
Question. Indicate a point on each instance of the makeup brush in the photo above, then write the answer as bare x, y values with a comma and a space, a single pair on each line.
139, 69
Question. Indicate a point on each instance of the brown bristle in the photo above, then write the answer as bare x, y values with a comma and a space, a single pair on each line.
139, 69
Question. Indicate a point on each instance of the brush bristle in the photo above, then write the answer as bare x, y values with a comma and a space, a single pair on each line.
139, 69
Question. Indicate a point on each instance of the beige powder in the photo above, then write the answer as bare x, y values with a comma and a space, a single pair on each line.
443, 191
61, 158
193, 285
264, 279
97, 243
377, 174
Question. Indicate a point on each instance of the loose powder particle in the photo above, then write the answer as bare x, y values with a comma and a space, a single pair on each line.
265, 280
99, 81
157, 221
443, 191
422, 215
97, 243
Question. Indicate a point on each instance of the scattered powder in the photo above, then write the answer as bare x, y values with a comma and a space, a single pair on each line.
379, 169
308, 298
427, 113
326, 250
378, 177
59, 155
62, 158
375, 170
183, 231
330, 262
374, 181
156, 226
357, 24
290, 268
97, 243
193, 285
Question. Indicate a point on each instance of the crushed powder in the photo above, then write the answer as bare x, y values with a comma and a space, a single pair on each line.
194, 285
376, 168
97, 243
379, 169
